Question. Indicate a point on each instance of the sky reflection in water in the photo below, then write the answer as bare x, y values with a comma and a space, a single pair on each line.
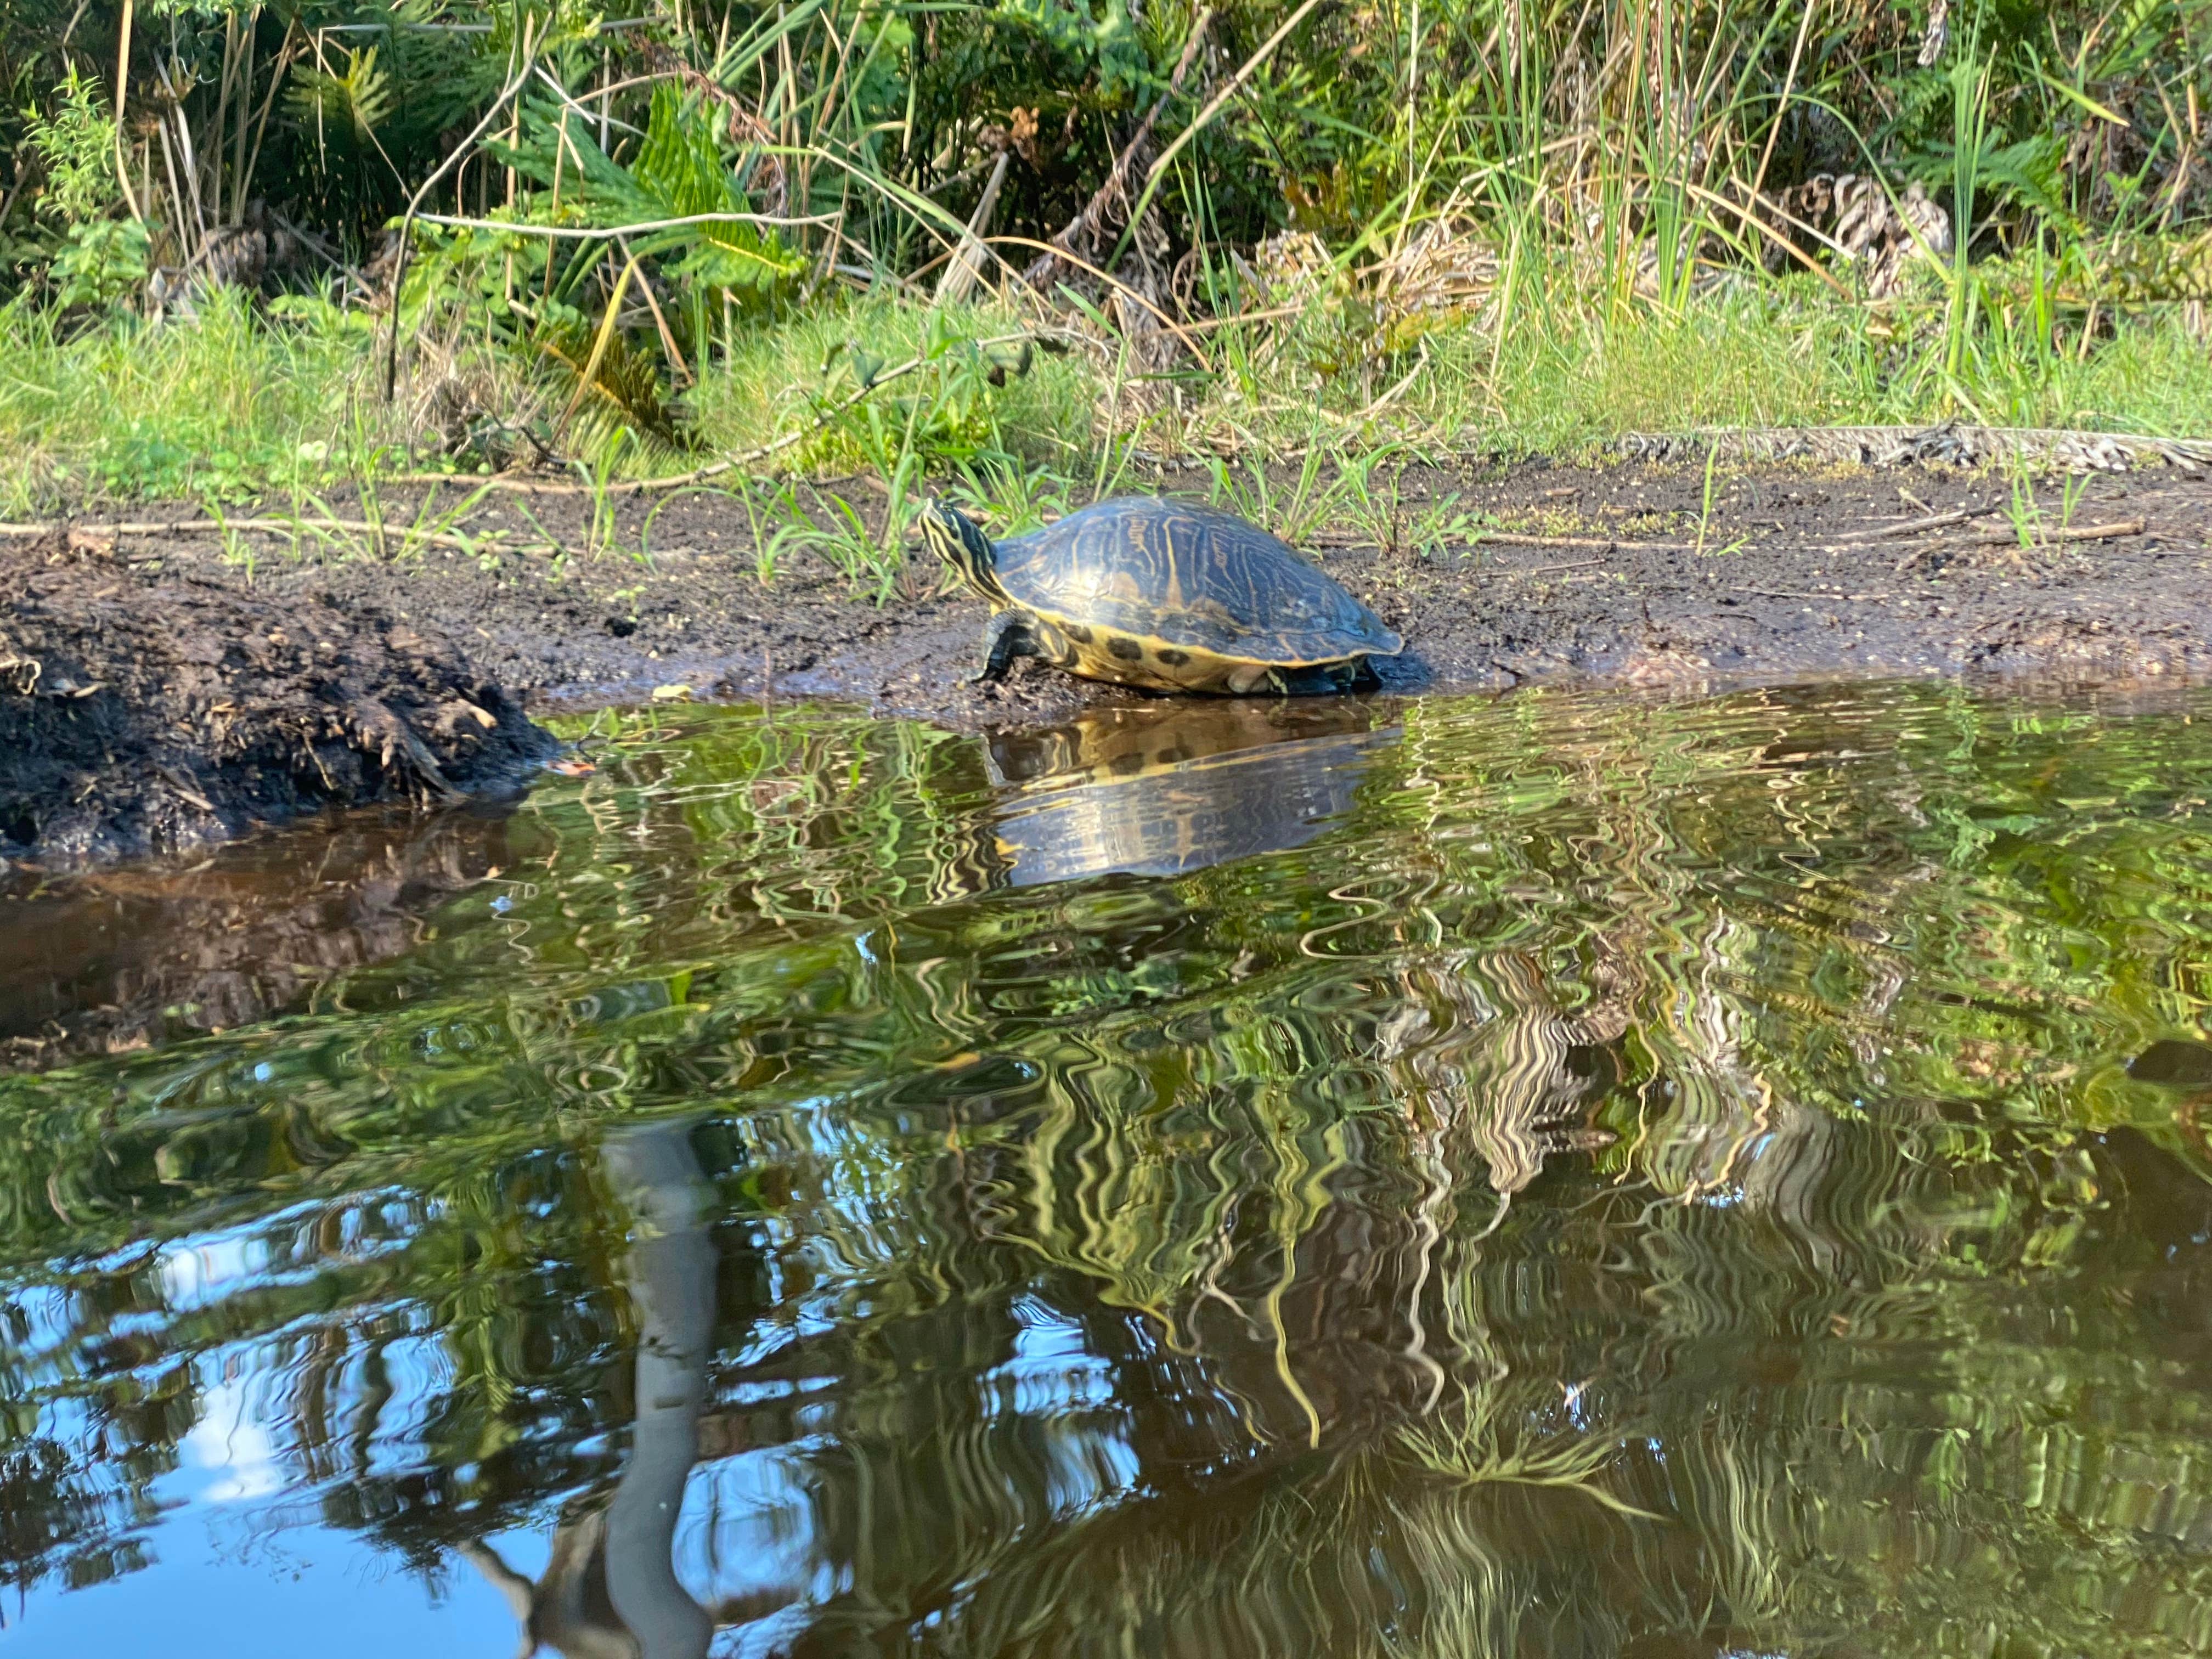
1564, 1173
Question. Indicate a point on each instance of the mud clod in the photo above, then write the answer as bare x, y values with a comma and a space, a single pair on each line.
147, 712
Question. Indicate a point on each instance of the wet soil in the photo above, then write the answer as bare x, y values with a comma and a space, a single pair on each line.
149, 704
233, 690
1652, 586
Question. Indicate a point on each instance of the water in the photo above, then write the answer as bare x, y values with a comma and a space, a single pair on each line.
1558, 1175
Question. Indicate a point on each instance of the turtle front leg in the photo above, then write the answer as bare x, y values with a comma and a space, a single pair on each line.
1004, 638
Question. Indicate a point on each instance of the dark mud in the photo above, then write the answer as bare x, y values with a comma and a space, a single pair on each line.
232, 691
1759, 585
150, 705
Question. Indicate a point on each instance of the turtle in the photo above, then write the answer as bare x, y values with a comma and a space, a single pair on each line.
1163, 595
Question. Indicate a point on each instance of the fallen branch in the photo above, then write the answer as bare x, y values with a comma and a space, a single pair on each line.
292, 527
2087, 532
2080, 533
1913, 527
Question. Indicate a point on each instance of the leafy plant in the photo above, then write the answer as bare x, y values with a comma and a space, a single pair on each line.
100, 261
679, 171
346, 106
76, 147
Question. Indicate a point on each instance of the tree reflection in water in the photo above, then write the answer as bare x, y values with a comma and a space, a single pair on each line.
611, 1589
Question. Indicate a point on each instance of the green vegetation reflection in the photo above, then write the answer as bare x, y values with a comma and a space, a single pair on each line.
1539, 1175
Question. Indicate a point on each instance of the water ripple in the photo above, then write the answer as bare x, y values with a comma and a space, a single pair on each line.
1566, 1173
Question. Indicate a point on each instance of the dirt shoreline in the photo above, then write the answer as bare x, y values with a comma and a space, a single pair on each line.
145, 708
1787, 572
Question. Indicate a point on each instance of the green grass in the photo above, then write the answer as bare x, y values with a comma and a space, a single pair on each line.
769, 384
1568, 377
126, 411
237, 405
1409, 151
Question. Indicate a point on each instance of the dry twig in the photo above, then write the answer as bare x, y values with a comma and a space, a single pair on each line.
2079, 532
293, 527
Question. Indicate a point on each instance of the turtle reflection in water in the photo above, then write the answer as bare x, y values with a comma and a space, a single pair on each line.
1170, 788
1164, 596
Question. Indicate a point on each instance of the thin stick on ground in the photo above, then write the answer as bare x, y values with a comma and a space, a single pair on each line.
1914, 526
292, 527
2080, 533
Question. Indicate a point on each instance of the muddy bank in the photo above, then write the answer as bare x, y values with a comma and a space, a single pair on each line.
1788, 571
155, 695
151, 704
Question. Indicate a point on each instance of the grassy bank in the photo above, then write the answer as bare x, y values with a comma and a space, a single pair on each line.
240, 406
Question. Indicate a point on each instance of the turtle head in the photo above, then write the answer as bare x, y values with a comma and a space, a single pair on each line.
960, 542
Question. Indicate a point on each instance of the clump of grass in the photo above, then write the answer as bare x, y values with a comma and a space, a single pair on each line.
130, 409
777, 374
1565, 376
226, 403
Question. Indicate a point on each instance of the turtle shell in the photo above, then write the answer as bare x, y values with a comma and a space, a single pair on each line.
1164, 593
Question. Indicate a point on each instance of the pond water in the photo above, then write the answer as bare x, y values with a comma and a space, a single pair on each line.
1564, 1173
